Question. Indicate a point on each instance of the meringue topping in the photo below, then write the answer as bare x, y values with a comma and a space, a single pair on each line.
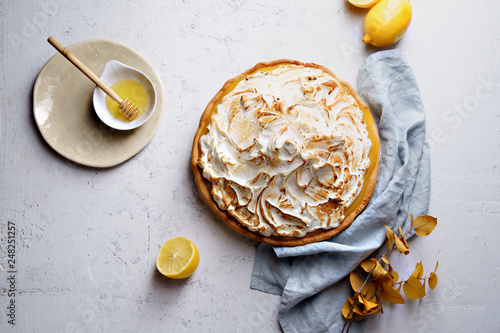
286, 151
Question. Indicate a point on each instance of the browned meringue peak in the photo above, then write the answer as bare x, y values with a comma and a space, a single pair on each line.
286, 151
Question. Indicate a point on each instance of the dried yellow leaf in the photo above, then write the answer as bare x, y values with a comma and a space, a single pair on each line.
391, 295
413, 288
347, 312
372, 265
375, 310
369, 306
435, 269
367, 265
380, 281
424, 225
390, 238
400, 245
389, 266
433, 280
358, 308
369, 290
394, 276
356, 282
403, 237
419, 271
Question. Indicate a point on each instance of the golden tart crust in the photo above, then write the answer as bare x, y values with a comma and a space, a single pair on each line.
370, 177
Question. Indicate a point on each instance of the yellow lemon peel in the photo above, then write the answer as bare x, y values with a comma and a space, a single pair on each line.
386, 22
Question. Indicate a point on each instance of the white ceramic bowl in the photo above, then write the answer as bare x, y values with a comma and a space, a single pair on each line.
115, 71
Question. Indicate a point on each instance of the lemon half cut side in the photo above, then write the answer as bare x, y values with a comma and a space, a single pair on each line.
178, 258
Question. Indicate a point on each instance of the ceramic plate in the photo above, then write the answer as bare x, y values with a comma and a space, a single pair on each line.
64, 113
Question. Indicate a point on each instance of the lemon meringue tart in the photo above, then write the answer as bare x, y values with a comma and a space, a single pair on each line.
286, 153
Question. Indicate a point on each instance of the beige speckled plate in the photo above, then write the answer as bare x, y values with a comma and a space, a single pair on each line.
63, 110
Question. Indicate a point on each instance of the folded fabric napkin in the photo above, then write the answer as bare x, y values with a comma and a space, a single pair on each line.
311, 278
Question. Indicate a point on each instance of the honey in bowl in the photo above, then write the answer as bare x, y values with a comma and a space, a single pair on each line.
136, 86
132, 90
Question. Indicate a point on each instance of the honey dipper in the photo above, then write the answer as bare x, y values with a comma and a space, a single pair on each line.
127, 108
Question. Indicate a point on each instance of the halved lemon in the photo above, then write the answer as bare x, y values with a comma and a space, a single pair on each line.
363, 3
178, 258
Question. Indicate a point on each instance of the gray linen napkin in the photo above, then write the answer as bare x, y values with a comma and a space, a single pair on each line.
311, 278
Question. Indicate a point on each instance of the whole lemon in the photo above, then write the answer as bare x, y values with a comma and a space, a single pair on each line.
386, 22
